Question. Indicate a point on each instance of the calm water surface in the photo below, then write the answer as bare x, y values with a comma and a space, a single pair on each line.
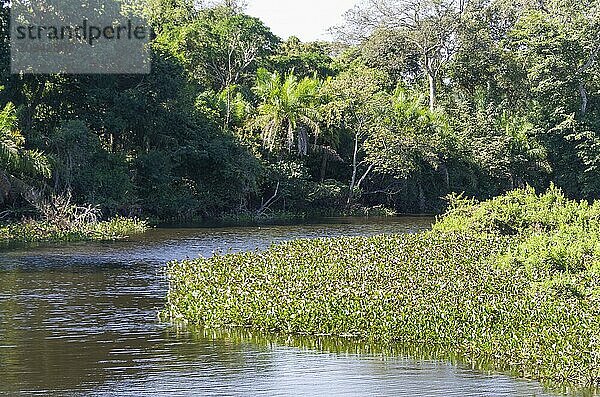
80, 320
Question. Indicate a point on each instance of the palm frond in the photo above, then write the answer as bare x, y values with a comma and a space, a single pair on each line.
34, 162
288, 106
14, 158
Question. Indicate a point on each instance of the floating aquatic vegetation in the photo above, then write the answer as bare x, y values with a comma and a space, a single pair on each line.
514, 282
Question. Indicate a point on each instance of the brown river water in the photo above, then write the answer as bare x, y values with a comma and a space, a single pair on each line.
81, 320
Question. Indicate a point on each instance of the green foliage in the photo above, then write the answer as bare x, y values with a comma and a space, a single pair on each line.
220, 47
520, 212
49, 232
354, 110
118, 228
493, 96
14, 158
511, 282
534, 61
303, 59
288, 111
553, 235
84, 167
390, 51
414, 136
355, 99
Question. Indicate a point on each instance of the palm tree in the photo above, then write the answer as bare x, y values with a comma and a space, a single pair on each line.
16, 162
288, 111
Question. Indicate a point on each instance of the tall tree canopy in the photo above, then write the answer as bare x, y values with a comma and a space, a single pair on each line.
422, 98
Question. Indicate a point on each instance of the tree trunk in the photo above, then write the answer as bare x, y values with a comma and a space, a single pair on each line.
584, 99
432, 91
323, 167
266, 205
354, 170
445, 175
228, 110
582, 91
362, 179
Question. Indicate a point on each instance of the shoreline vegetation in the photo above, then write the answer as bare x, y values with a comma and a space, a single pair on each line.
58, 219
36, 231
512, 282
283, 217
233, 119
63, 228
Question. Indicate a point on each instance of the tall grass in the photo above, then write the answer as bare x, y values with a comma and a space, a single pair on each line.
513, 282
44, 231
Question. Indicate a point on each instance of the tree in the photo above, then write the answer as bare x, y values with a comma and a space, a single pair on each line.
304, 59
288, 111
505, 148
222, 48
413, 139
429, 26
557, 48
356, 104
16, 162
389, 50
165, 15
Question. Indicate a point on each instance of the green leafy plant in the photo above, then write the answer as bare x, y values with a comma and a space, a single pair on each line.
512, 282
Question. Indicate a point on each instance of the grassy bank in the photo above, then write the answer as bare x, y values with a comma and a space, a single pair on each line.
42, 231
514, 282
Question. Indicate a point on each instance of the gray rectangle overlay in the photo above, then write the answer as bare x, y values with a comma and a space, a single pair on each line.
77, 37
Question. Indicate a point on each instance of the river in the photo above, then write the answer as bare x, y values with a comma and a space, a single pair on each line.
80, 320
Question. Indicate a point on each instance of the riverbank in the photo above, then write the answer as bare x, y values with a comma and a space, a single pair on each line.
42, 232
512, 282
252, 218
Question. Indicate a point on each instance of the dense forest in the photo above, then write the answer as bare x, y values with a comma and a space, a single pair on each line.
414, 100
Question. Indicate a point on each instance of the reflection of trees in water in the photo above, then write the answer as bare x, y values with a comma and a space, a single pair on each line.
52, 344
78, 329
230, 357
93, 328
335, 345
325, 344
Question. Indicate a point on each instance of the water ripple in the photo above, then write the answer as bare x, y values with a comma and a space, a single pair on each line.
80, 320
